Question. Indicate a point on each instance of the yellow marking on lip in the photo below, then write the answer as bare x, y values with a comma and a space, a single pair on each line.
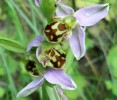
51, 37
55, 25
47, 30
59, 63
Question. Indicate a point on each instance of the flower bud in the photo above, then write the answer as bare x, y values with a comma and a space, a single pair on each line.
31, 68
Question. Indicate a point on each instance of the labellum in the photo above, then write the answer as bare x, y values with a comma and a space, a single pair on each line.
31, 68
53, 57
60, 29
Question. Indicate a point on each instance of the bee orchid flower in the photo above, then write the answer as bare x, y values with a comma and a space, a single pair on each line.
87, 16
51, 75
48, 54
71, 25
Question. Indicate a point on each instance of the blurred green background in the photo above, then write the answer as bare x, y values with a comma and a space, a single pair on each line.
95, 74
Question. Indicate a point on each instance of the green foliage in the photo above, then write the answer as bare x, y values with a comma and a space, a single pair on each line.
112, 60
12, 45
48, 9
2, 92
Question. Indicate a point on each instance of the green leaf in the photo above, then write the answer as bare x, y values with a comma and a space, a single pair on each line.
112, 60
89, 43
2, 92
50, 92
48, 8
12, 45
69, 59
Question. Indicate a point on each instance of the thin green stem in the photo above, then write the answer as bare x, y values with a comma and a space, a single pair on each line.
10, 79
25, 17
69, 59
56, 94
91, 66
50, 92
80, 91
105, 55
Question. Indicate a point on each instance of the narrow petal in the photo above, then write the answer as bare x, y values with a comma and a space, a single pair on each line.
89, 16
63, 10
31, 87
37, 2
37, 54
34, 43
59, 77
77, 42
60, 92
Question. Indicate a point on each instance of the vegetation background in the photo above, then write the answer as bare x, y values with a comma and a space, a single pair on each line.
95, 74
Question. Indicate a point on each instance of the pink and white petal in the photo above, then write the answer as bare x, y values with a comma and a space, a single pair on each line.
64, 97
35, 43
59, 77
60, 92
89, 16
37, 54
63, 10
77, 42
31, 87
37, 2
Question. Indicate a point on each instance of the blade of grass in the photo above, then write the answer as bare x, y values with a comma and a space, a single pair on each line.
69, 59
25, 17
12, 85
114, 80
33, 14
52, 93
17, 23
39, 13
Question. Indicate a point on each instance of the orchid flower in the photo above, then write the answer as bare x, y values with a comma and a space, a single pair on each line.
53, 76
48, 54
87, 16
73, 22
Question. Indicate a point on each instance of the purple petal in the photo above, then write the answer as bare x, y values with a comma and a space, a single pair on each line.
59, 77
89, 16
77, 42
63, 10
64, 97
31, 87
37, 54
37, 2
60, 92
34, 43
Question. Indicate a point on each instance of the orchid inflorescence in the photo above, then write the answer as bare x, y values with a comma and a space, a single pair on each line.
66, 25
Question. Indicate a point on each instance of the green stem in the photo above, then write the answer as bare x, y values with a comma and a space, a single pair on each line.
105, 55
10, 79
91, 66
51, 93
69, 59
56, 94
25, 17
